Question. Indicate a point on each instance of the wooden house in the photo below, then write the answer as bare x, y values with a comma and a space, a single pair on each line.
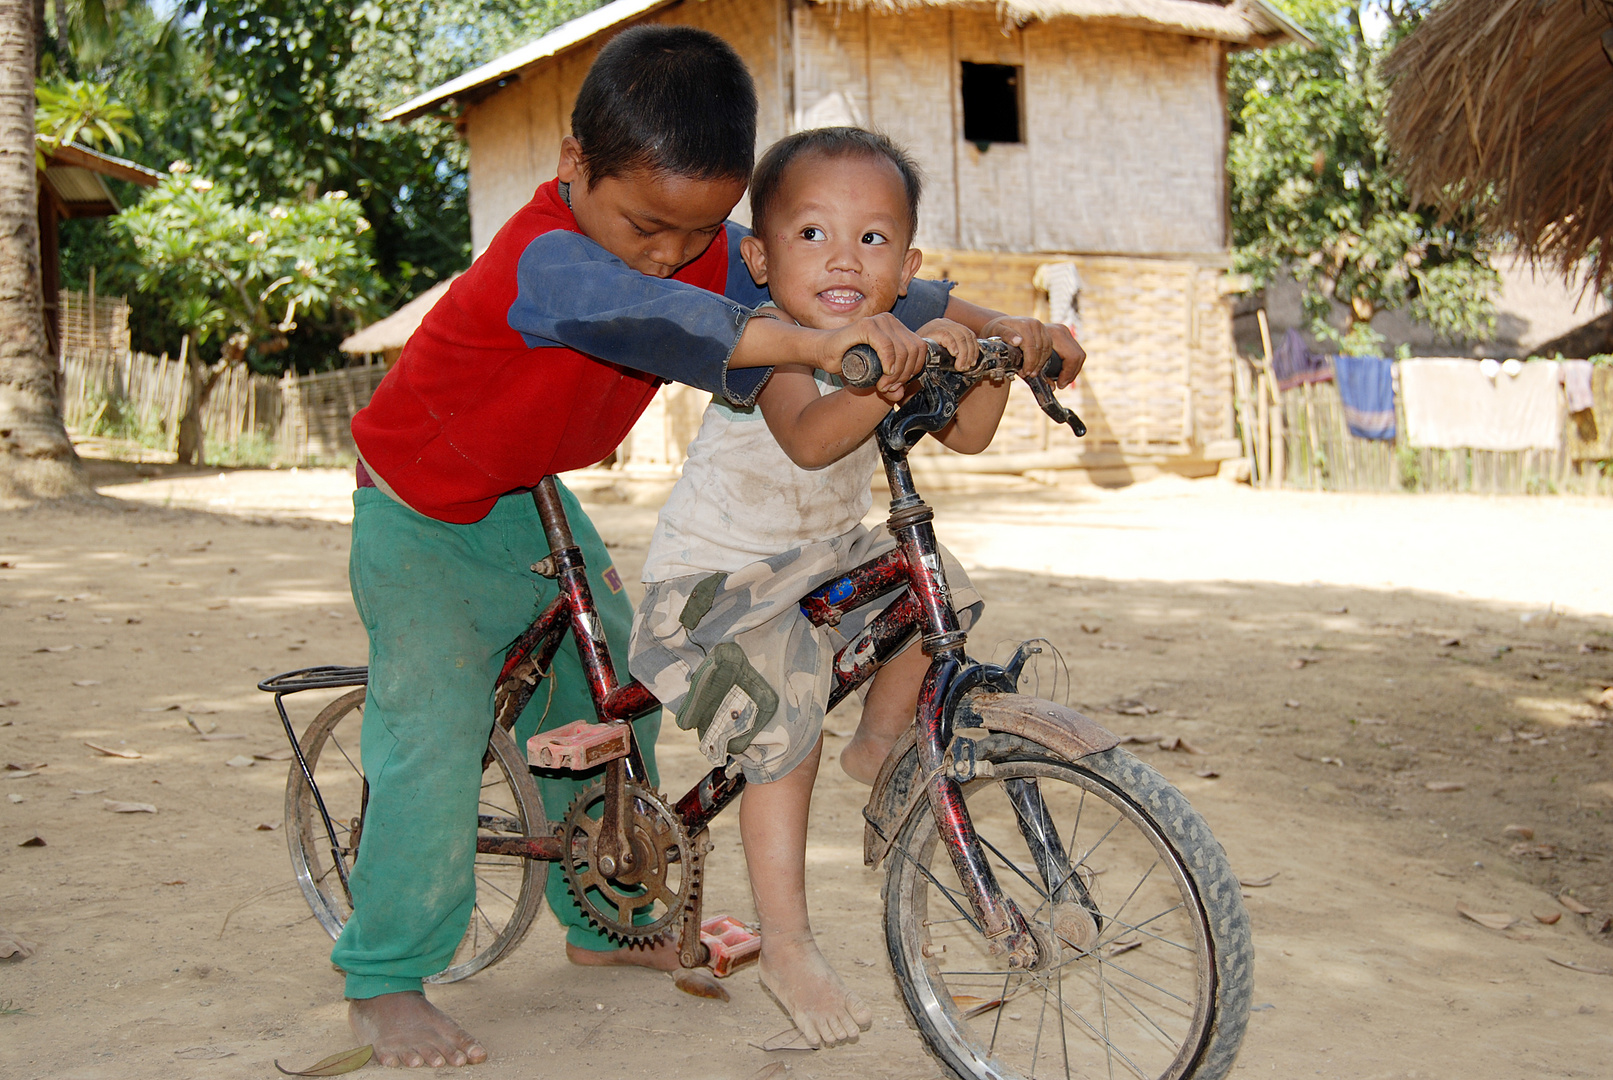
1084, 133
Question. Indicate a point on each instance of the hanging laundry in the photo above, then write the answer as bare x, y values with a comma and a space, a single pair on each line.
1577, 384
1061, 281
1294, 364
1367, 391
1590, 431
1452, 404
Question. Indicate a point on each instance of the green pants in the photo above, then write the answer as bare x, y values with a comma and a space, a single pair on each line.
441, 603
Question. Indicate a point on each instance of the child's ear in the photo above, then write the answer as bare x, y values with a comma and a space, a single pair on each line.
570, 168
755, 256
910, 266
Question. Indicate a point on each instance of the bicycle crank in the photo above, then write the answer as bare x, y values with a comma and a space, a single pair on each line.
638, 892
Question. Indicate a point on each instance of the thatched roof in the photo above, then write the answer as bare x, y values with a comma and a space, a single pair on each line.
1514, 98
1251, 23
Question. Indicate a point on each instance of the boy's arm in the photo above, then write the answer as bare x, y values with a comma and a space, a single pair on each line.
573, 293
817, 430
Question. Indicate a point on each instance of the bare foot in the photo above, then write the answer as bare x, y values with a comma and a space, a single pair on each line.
825, 1011
661, 954
410, 1031
864, 755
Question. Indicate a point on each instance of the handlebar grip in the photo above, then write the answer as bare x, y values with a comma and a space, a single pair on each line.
860, 367
1051, 369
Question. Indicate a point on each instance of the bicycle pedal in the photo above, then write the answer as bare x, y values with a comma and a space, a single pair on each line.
730, 944
578, 746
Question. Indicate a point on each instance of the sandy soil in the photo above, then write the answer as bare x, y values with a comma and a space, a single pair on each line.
1331, 655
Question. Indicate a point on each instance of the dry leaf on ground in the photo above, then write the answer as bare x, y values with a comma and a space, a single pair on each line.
1116, 645
1534, 851
788, 1039
345, 1062
1133, 707
240, 761
33, 841
1116, 948
86, 682
769, 1071
128, 807
696, 981
20, 775
1179, 744
1259, 883
1550, 918
222, 736
1495, 920
203, 1053
113, 752
1518, 832
1142, 739
268, 826
1291, 703
1206, 773
274, 755
1445, 785
12, 945
1586, 968
1573, 905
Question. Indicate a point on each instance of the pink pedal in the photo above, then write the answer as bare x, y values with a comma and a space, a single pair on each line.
730, 943
578, 746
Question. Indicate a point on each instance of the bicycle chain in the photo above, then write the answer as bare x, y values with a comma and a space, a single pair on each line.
653, 830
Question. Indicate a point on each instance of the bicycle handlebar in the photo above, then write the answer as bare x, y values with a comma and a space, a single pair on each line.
860, 367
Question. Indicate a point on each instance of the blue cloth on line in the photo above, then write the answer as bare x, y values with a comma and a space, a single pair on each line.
1367, 390
1294, 364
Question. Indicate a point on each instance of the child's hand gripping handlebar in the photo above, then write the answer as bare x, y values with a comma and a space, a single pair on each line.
860, 367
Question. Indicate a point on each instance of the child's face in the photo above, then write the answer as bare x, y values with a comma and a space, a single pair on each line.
657, 224
836, 248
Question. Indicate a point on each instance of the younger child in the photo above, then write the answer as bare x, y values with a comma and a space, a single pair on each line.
770, 505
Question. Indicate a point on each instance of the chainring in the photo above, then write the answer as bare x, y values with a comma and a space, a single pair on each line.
662, 851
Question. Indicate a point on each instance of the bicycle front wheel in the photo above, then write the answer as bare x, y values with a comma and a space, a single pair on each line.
509, 889
1151, 965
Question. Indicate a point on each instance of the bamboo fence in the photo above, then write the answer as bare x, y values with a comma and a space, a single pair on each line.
1305, 440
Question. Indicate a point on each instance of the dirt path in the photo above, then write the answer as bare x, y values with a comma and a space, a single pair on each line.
1280, 634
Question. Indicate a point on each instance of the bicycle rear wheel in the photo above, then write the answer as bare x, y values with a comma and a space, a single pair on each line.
1152, 964
509, 889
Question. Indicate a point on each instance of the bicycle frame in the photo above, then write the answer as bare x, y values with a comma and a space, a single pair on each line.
923, 607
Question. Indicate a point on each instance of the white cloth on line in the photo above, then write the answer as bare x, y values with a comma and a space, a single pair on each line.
1451, 404
1577, 385
1061, 281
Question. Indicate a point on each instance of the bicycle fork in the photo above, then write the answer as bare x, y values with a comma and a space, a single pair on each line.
1000, 919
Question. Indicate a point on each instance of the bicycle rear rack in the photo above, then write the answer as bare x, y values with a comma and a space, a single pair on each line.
324, 677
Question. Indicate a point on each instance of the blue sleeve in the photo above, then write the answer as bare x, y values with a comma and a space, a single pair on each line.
572, 293
925, 300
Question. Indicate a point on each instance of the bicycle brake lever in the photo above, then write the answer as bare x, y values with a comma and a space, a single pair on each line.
1043, 392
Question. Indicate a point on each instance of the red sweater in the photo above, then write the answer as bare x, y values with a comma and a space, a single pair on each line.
476, 407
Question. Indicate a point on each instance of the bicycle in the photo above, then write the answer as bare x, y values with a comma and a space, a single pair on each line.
1031, 863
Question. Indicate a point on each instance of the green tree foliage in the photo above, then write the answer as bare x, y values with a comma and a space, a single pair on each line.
243, 274
1314, 191
280, 100
80, 112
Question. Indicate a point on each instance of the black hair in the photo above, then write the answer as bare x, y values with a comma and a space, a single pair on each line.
831, 142
667, 99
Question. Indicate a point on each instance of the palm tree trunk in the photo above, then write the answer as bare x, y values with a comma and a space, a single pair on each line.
36, 457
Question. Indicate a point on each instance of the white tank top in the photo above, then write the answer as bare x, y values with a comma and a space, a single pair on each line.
741, 499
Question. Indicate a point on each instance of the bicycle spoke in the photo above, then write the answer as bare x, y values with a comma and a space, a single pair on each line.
921, 868
1131, 974
482, 881
1007, 865
334, 741
1138, 928
1098, 1037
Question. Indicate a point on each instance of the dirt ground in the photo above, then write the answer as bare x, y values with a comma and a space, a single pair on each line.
1332, 656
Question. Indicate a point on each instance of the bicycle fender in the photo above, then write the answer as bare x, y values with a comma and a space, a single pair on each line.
899, 788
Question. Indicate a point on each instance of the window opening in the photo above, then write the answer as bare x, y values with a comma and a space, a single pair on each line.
991, 103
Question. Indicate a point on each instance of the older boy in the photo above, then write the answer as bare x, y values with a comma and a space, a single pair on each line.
764, 511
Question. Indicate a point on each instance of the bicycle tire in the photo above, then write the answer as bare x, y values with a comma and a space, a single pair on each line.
509, 890
972, 1025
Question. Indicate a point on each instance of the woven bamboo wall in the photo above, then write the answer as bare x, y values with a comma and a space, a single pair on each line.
152, 393
106, 330
1158, 334
514, 135
1125, 130
318, 412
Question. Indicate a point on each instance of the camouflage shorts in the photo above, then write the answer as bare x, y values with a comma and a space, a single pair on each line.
733, 658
